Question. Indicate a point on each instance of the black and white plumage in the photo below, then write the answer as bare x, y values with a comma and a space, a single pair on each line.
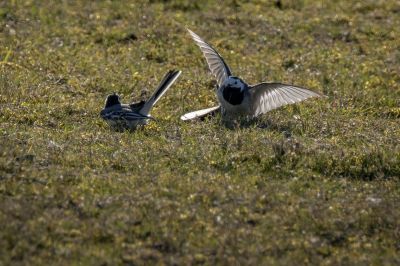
128, 116
237, 98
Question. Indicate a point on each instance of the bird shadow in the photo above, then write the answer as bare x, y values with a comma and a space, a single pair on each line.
262, 123
266, 124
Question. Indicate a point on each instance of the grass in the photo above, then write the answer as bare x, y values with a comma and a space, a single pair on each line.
313, 183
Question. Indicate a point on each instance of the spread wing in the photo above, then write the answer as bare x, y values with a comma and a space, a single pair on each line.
215, 62
268, 96
199, 113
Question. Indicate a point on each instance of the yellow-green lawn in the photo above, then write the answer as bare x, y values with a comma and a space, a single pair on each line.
313, 183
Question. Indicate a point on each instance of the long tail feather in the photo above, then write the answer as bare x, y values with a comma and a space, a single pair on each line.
165, 84
200, 113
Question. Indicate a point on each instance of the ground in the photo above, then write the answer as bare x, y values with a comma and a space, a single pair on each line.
313, 183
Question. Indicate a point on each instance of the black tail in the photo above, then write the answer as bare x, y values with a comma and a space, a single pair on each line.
165, 84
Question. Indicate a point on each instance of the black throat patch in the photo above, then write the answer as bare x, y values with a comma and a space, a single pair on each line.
233, 95
112, 99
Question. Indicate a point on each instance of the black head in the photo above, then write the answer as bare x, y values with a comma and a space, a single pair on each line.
112, 99
235, 80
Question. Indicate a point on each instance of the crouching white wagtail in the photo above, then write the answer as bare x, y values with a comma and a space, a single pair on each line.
237, 98
129, 116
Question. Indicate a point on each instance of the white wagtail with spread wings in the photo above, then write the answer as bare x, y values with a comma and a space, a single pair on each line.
237, 98
129, 116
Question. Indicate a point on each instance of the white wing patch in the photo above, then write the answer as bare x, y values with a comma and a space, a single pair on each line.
215, 62
268, 96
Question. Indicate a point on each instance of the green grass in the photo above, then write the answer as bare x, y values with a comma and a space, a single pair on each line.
313, 183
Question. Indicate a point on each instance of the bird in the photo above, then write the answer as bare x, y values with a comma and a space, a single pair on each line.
121, 116
236, 98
